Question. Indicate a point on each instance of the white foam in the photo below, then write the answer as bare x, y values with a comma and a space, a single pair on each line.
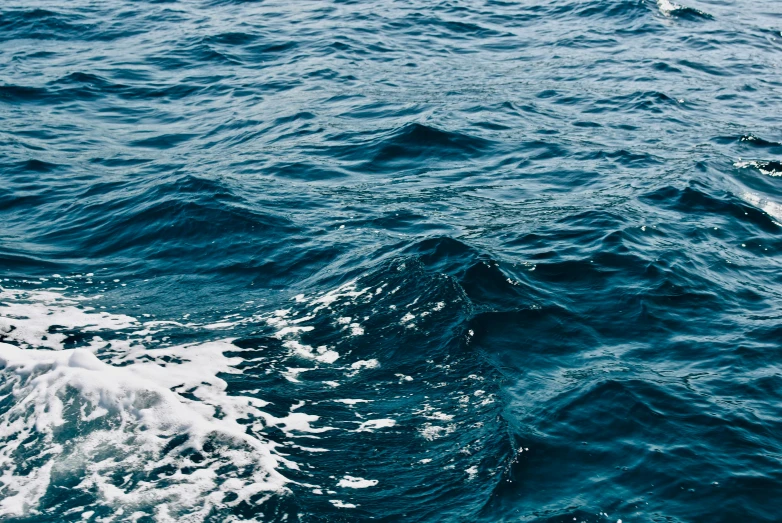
760, 166
223, 325
340, 504
292, 373
365, 364
771, 208
352, 401
667, 7
127, 409
292, 330
296, 422
27, 317
428, 412
139, 412
127, 405
348, 290
351, 482
322, 354
440, 416
374, 424
432, 432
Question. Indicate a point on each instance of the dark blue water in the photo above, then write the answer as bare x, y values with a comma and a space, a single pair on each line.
341, 261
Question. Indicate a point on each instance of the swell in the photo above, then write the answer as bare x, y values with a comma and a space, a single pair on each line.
44, 24
407, 147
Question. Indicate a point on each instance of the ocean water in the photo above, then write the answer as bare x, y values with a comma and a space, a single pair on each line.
391, 260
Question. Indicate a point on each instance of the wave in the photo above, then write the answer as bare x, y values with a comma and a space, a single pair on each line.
771, 208
674, 10
44, 24
769, 168
413, 145
757, 141
125, 427
695, 199
190, 430
401, 261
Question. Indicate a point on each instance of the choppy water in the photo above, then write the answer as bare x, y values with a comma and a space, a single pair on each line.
396, 260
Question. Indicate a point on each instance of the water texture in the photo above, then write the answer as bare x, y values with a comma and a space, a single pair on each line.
342, 261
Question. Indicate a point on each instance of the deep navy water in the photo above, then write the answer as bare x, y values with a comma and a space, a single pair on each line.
391, 260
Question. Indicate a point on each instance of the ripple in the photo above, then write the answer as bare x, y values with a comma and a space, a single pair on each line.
488, 261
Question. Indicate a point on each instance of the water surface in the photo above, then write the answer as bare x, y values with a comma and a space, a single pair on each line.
338, 261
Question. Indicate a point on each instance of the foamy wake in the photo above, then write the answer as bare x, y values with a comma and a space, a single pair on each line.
146, 431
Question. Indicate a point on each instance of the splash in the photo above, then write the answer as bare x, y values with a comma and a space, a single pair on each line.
149, 429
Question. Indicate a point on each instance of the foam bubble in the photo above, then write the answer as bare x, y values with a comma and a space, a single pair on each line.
374, 424
32, 318
136, 423
351, 482
159, 418
365, 364
157, 433
340, 504
351, 401
667, 7
767, 168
